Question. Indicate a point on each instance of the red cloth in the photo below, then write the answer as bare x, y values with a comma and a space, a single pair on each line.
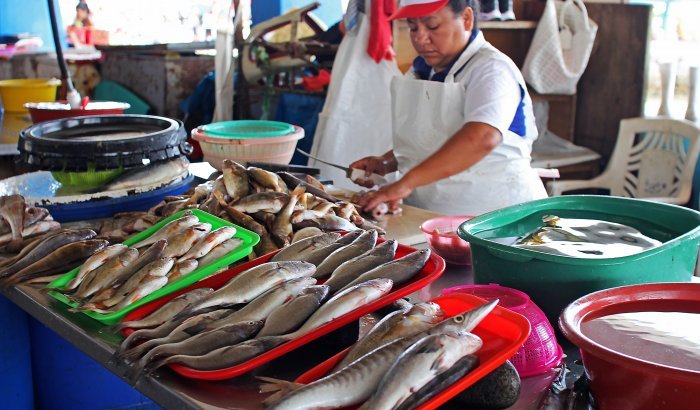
316, 83
379, 45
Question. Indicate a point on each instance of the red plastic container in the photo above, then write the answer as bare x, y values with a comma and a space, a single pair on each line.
47, 111
623, 382
431, 271
502, 331
441, 234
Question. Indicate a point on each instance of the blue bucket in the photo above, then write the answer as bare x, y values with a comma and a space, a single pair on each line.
15, 358
66, 378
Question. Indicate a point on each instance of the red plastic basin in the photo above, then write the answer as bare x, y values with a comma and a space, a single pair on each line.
47, 111
619, 381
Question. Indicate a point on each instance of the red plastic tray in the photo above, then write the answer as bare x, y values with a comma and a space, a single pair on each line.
431, 271
502, 331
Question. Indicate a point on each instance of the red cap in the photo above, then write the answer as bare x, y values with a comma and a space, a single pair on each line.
417, 8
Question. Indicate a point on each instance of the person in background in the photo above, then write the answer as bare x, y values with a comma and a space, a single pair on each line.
463, 124
77, 32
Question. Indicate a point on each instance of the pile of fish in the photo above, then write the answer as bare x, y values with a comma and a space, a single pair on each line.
406, 359
276, 206
21, 224
270, 304
49, 255
119, 275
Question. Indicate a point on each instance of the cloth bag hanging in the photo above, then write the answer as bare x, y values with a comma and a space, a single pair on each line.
560, 48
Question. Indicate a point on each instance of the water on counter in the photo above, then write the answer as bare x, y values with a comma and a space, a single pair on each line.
585, 238
667, 338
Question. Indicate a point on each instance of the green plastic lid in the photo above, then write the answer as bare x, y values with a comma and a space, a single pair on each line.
248, 129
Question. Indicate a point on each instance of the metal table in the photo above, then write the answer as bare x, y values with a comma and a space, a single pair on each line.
173, 391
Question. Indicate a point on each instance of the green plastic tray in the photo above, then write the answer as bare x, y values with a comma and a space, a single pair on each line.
248, 129
554, 281
249, 238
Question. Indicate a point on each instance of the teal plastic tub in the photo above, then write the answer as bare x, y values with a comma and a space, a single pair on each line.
249, 239
553, 281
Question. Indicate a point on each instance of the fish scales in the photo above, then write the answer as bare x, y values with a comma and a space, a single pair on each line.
351, 269
399, 270
362, 244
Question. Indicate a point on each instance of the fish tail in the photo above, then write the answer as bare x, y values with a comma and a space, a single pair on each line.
278, 387
132, 354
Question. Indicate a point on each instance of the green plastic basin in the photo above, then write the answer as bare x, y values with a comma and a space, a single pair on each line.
553, 281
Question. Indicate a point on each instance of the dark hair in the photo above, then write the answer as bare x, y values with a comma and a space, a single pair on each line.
458, 7
82, 6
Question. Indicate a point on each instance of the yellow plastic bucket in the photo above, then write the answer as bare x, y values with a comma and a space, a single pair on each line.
15, 93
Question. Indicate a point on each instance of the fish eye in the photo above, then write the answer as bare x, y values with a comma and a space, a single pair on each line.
458, 319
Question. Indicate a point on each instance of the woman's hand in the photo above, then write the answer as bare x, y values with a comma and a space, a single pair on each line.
380, 165
390, 193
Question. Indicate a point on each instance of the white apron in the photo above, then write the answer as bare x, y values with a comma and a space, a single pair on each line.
425, 114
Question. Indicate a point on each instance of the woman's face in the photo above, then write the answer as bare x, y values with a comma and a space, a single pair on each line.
440, 37
81, 14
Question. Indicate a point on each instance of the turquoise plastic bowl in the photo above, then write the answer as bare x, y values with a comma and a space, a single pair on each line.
248, 129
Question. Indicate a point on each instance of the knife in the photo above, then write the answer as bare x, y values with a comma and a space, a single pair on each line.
351, 173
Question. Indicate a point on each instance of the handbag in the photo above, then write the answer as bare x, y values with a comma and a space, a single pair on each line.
560, 48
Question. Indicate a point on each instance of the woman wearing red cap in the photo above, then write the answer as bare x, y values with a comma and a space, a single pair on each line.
463, 125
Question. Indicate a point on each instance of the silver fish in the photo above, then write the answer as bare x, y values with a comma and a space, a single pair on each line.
94, 262
12, 211
394, 326
66, 257
235, 180
353, 268
199, 344
288, 317
226, 356
263, 201
306, 215
265, 246
99, 278
32, 215
268, 180
282, 226
250, 284
299, 250
220, 251
318, 255
328, 222
112, 277
399, 270
209, 242
160, 172
183, 241
419, 364
350, 386
185, 221
30, 231
159, 267
242, 219
170, 332
356, 382
182, 269
261, 307
304, 233
346, 301
147, 286
441, 382
48, 245
165, 312
362, 244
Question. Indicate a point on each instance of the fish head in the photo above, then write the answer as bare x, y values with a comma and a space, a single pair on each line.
465, 322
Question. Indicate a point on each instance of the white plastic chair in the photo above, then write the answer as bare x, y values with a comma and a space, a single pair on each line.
654, 159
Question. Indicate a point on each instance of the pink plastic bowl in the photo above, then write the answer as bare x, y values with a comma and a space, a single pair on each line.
441, 234
541, 352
